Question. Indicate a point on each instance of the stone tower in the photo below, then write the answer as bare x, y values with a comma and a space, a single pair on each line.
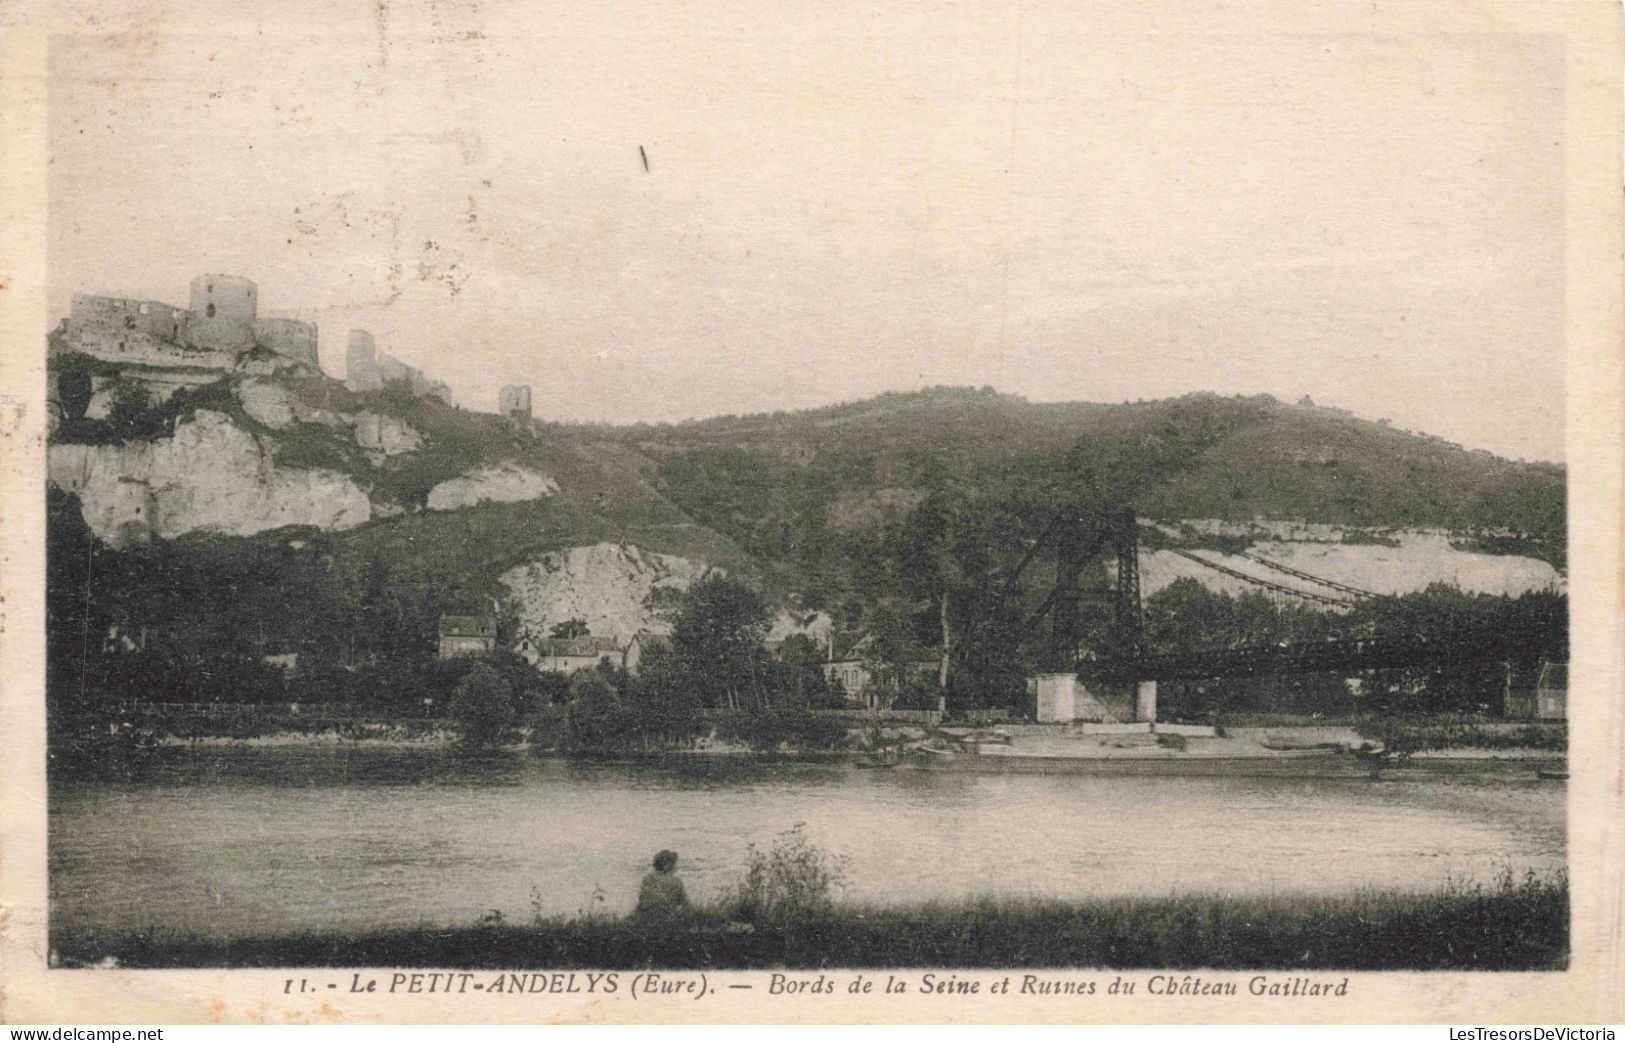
514, 403
361, 362
222, 313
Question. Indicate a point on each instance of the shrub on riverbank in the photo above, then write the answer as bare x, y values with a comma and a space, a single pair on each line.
1517, 925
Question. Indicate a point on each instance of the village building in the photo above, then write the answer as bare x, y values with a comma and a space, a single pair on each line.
851, 672
1552, 692
566, 655
467, 635
287, 662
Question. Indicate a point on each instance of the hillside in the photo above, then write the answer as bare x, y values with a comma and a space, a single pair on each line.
1235, 458
807, 491
295, 492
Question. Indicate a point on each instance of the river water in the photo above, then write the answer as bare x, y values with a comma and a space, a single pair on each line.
232, 841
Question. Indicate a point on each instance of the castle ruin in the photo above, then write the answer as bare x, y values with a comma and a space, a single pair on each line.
514, 403
368, 369
221, 329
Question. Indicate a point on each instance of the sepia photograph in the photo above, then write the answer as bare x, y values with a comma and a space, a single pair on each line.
962, 488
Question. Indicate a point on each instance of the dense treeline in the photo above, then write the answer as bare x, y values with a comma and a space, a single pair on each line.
195, 620
190, 623
1185, 617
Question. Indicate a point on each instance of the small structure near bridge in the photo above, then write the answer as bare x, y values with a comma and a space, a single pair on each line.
1537, 691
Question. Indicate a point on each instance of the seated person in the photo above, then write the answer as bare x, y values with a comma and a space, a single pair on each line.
662, 892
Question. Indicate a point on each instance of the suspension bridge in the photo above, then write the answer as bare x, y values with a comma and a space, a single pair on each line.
1078, 538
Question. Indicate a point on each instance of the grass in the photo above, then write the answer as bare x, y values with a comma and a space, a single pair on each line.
1514, 925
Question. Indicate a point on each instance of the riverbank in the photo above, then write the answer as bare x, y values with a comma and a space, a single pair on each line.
1514, 925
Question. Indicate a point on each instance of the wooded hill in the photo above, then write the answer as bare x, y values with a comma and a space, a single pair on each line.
809, 504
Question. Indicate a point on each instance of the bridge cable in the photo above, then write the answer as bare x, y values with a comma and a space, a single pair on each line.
1267, 584
1333, 584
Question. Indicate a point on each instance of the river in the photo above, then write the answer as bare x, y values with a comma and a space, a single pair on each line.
229, 841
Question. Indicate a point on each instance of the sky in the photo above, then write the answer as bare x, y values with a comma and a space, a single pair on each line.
664, 211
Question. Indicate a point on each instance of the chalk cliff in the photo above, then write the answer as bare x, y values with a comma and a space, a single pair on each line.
505, 482
610, 585
210, 476
272, 405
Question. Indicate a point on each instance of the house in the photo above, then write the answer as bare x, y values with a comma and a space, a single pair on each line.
849, 671
641, 644
467, 635
566, 655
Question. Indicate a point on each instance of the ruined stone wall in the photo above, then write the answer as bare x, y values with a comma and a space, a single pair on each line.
514, 402
440, 390
119, 315
361, 362
119, 343
368, 369
289, 337
391, 369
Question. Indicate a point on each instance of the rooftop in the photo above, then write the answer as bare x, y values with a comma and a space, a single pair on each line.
468, 626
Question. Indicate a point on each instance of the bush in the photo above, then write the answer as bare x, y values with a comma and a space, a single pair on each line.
917, 693
597, 722
483, 706
131, 414
549, 727
791, 880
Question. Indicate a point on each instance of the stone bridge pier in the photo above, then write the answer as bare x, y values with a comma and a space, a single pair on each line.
1064, 697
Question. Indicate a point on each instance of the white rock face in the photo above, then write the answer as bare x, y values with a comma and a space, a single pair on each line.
1421, 559
270, 404
497, 483
386, 434
608, 585
212, 476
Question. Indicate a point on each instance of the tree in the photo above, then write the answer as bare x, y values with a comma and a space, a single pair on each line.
951, 554
801, 671
597, 721
890, 648
483, 706
131, 415
570, 628
720, 636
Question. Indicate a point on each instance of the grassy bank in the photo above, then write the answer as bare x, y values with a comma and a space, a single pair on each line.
1518, 925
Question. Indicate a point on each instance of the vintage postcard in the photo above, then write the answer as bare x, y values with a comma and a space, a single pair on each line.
854, 512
